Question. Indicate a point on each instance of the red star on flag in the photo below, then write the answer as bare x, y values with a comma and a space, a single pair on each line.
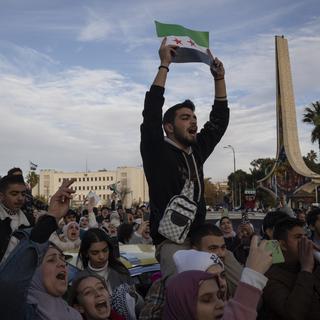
191, 43
178, 41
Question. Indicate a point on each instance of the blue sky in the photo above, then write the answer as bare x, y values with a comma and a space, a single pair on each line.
73, 75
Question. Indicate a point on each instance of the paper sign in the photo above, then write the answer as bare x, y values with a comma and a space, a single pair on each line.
274, 247
94, 196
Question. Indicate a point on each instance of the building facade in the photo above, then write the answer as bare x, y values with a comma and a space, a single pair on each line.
129, 182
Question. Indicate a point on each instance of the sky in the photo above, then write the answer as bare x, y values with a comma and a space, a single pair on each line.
73, 76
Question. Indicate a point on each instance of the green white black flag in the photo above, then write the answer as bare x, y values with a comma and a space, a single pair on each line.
192, 44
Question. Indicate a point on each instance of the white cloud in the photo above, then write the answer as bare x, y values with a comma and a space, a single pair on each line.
97, 27
62, 119
59, 115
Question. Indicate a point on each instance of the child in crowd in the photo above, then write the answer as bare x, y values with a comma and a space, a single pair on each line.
97, 257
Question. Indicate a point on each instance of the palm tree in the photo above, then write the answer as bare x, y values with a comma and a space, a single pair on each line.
312, 116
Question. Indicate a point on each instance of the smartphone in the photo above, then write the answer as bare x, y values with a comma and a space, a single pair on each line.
274, 247
146, 216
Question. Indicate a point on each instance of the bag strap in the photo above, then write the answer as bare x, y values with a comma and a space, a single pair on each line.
188, 189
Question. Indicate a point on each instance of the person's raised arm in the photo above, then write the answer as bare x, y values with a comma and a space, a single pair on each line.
58, 207
165, 53
218, 72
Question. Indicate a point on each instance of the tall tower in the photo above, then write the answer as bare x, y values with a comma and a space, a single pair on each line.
290, 180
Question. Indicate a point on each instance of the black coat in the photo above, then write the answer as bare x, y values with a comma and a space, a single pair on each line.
165, 165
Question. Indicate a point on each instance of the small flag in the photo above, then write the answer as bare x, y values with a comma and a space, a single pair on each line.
192, 44
33, 166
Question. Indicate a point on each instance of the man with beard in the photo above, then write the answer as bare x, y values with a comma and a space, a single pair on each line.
175, 162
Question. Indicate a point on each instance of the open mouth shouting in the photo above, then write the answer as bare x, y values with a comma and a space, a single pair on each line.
62, 276
193, 131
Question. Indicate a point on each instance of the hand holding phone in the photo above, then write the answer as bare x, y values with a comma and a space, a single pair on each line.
260, 258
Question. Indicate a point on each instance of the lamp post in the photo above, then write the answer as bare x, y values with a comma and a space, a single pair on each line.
229, 146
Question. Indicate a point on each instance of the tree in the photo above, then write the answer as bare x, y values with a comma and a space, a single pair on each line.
261, 167
310, 161
41, 198
241, 180
312, 116
212, 195
32, 179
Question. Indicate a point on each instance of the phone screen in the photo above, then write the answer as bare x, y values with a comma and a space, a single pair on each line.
146, 216
274, 247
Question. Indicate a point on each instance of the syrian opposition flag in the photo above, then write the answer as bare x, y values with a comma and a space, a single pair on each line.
192, 44
33, 166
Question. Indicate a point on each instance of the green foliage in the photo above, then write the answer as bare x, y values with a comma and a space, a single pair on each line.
212, 195
261, 167
312, 116
41, 198
32, 179
310, 161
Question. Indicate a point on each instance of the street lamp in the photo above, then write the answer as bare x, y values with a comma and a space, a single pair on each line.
229, 146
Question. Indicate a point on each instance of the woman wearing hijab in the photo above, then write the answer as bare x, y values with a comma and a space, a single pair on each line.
48, 285
193, 295
197, 295
33, 281
70, 238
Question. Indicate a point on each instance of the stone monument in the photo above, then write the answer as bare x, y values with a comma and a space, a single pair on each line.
290, 181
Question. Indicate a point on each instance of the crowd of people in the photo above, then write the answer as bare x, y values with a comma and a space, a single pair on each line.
208, 270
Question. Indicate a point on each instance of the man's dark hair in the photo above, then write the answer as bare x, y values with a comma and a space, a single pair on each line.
283, 226
6, 181
170, 114
206, 229
125, 232
313, 216
13, 171
69, 213
270, 220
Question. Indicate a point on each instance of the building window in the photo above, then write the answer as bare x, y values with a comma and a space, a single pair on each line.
88, 179
104, 178
83, 179
95, 188
99, 178
87, 187
111, 178
99, 187
79, 187
107, 178
59, 179
79, 197
104, 187
75, 188
108, 196
91, 187
104, 197
95, 179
